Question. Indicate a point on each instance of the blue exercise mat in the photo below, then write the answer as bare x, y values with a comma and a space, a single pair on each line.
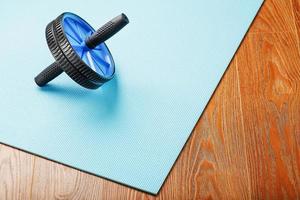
169, 60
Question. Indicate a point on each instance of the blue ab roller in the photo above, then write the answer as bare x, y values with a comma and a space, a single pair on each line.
80, 51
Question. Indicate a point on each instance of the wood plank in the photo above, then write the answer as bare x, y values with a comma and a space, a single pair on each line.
270, 79
275, 16
16, 173
296, 13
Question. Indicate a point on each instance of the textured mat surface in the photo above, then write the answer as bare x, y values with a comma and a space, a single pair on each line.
169, 61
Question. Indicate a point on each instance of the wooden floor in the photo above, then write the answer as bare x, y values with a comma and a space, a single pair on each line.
245, 146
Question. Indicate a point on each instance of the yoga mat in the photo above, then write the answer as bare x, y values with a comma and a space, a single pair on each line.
169, 60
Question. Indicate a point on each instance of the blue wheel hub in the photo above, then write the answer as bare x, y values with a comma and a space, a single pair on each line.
98, 59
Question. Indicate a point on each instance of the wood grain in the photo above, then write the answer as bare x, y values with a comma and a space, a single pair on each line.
245, 146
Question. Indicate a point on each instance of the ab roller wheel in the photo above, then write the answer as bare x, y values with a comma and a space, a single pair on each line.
80, 51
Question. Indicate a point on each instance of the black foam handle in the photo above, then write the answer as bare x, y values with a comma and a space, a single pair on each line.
48, 74
106, 31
